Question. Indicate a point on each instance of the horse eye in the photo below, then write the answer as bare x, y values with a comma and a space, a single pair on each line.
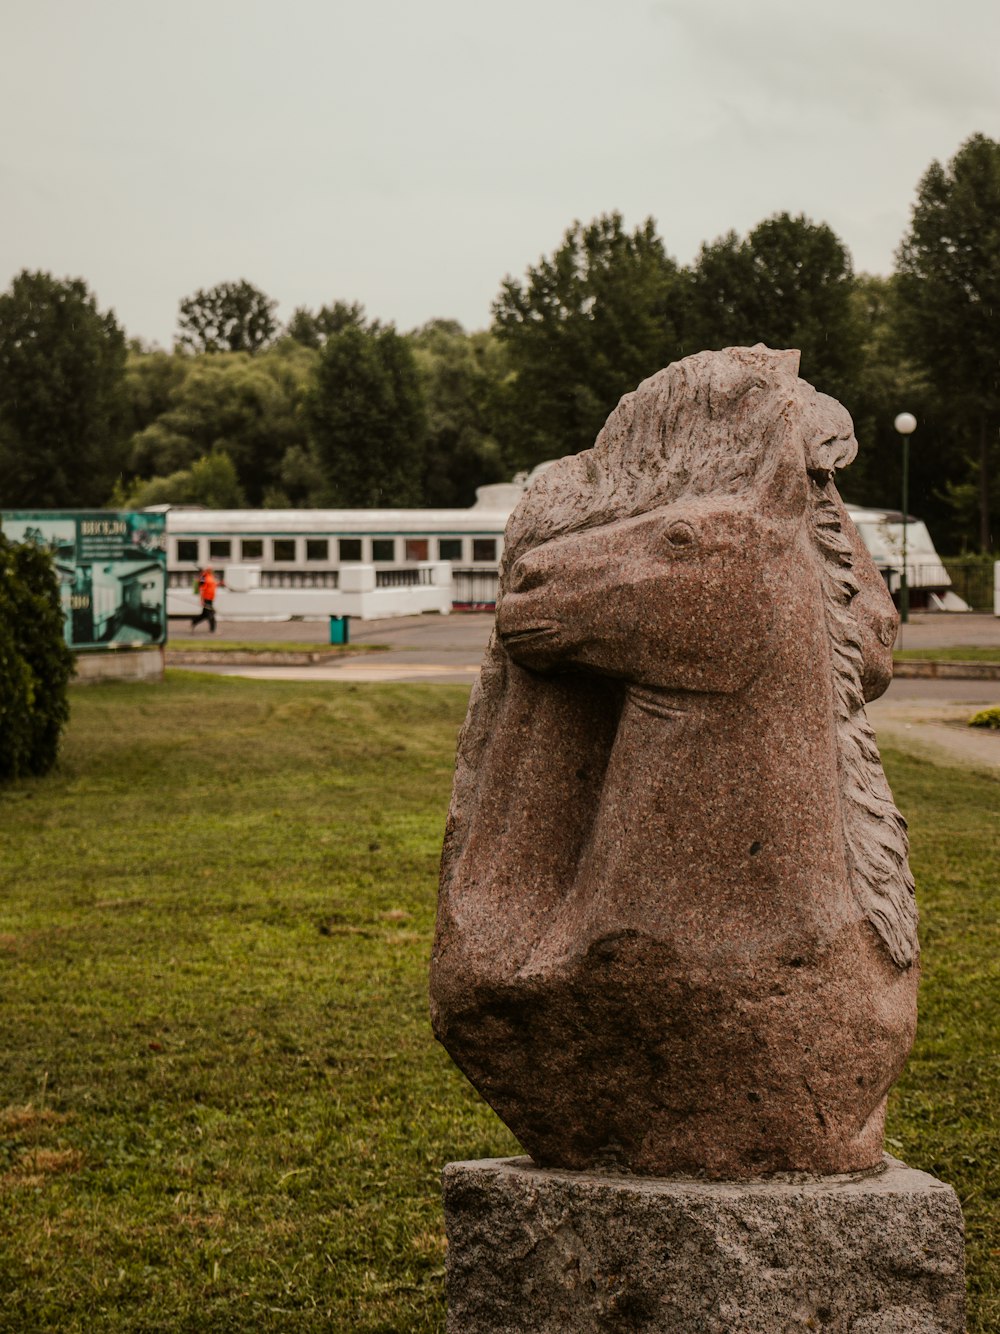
680, 533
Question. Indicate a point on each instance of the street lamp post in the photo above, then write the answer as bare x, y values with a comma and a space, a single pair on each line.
905, 424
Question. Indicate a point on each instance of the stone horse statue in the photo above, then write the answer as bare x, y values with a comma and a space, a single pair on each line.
676, 927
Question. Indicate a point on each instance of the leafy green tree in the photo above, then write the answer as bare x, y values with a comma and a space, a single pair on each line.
788, 284
250, 408
301, 482
312, 328
459, 374
153, 383
35, 662
887, 383
367, 419
62, 405
586, 326
230, 317
948, 281
211, 481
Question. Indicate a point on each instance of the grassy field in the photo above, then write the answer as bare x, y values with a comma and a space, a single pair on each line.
969, 653
221, 1106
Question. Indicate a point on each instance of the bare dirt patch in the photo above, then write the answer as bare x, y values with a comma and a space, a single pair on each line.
34, 1166
18, 1120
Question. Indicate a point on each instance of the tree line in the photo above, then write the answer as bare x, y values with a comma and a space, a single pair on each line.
334, 409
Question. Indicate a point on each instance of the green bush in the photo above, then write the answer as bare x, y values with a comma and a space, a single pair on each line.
986, 718
35, 662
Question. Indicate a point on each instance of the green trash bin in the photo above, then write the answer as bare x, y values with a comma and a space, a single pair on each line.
340, 629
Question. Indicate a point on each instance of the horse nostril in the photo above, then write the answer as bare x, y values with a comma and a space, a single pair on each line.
524, 577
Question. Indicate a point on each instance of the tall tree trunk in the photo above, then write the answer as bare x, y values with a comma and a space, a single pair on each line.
984, 487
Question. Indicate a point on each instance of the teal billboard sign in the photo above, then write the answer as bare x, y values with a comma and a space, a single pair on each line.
112, 569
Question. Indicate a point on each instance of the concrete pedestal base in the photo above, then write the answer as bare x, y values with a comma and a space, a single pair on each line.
124, 664
533, 1250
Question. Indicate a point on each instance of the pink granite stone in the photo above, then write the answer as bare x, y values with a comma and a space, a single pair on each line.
676, 927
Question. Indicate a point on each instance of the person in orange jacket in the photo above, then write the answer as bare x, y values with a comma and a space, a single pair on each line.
207, 585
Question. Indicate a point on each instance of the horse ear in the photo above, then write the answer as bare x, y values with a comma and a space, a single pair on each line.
830, 443
785, 359
815, 440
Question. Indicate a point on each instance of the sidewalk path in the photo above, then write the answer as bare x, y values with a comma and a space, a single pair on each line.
356, 669
937, 728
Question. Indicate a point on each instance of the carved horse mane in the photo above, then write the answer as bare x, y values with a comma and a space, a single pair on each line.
874, 831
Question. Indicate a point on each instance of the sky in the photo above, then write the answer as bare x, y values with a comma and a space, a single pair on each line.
411, 154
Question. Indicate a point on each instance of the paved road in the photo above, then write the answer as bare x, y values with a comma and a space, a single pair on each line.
461, 632
950, 630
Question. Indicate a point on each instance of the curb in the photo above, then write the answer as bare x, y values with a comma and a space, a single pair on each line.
204, 658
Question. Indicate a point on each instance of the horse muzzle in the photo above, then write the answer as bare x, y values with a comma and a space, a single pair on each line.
531, 643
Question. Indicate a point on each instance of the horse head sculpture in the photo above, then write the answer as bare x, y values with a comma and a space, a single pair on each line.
676, 927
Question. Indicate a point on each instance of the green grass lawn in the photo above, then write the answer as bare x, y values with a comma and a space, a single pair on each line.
220, 1102
969, 653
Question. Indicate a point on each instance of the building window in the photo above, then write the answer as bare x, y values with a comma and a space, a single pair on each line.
417, 548
350, 548
219, 549
317, 548
484, 548
384, 548
450, 548
252, 548
284, 548
187, 549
